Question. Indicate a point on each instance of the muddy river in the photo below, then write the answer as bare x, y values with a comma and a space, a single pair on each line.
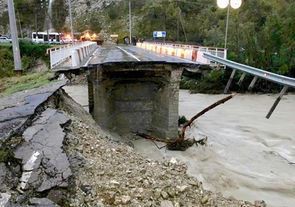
247, 156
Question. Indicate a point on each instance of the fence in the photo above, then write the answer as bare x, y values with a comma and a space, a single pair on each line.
73, 54
189, 52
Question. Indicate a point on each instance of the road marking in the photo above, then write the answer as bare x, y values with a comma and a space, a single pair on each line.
90, 58
128, 53
4, 199
28, 170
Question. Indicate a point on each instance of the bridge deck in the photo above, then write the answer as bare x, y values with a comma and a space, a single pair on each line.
112, 53
122, 54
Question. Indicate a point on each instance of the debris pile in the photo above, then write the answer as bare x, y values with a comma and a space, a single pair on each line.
63, 158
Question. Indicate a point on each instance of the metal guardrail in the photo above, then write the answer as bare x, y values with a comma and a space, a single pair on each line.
257, 73
280, 79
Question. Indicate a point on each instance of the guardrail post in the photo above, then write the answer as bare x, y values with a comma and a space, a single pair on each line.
251, 86
229, 81
241, 79
283, 91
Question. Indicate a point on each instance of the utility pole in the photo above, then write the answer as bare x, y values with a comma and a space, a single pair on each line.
14, 37
130, 24
226, 28
71, 20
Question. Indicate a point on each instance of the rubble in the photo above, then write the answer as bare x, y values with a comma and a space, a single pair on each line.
16, 110
66, 159
45, 165
113, 174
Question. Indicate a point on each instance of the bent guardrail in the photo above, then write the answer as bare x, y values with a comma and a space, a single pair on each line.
257, 73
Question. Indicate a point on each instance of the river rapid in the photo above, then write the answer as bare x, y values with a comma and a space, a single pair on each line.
247, 156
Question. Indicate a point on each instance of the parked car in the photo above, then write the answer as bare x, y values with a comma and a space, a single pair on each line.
4, 39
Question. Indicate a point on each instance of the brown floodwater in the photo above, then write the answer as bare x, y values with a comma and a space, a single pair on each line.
248, 156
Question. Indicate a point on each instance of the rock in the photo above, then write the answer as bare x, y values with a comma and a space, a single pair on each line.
125, 199
114, 182
4, 199
86, 189
3, 172
16, 109
173, 161
77, 160
42, 154
182, 188
164, 194
58, 196
259, 204
166, 203
205, 199
42, 202
193, 182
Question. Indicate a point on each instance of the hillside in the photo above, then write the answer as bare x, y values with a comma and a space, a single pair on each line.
261, 33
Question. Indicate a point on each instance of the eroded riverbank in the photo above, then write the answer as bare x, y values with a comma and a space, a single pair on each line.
247, 157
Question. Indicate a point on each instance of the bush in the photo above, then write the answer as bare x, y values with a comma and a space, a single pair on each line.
30, 53
34, 51
6, 62
210, 83
182, 120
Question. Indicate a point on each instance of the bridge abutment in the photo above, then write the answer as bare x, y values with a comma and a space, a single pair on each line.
133, 97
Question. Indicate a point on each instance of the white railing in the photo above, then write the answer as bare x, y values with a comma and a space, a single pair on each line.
72, 55
189, 52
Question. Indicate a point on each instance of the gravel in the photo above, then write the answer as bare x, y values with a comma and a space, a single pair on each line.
113, 174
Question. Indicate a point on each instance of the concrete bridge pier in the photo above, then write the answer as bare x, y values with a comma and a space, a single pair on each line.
136, 97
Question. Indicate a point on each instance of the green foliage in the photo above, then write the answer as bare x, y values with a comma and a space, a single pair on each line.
182, 120
5, 155
89, 21
59, 14
30, 49
261, 33
31, 80
30, 53
6, 62
213, 82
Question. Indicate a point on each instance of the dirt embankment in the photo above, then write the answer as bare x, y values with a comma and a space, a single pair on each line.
105, 172
108, 173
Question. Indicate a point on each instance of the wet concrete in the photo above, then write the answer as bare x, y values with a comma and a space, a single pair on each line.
16, 109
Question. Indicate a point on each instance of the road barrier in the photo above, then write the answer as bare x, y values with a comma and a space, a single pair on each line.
285, 81
189, 52
72, 55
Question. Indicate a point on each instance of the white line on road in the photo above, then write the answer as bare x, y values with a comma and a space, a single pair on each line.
28, 170
90, 58
128, 53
